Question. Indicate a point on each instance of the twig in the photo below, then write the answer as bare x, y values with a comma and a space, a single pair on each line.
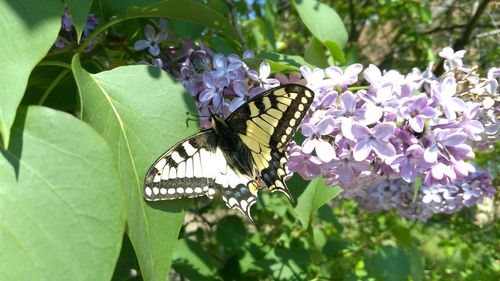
234, 21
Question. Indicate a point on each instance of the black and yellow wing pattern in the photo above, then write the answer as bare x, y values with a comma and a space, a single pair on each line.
237, 156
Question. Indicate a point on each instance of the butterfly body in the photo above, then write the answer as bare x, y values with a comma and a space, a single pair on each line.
238, 155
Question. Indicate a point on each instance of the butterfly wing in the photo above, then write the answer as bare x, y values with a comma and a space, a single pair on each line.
185, 170
266, 124
197, 167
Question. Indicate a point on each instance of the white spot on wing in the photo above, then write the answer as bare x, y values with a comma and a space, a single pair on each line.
189, 190
180, 190
197, 166
156, 190
148, 191
181, 170
232, 202
171, 191
163, 191
159, 166
176, 157
190, 150
189, 168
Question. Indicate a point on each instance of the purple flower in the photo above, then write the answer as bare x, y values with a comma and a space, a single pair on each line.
293, 78
263, 76
444, 95
346, 167
344, 78
409, 162
152, 40
242, 94
348, 112
472, 128
315, 78
230, 68
446, 143
305, 164
213, 90
376, 139
453, 59
418, 111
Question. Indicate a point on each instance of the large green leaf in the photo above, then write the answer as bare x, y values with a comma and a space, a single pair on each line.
29, 28
62, 212
322, 21
79, 9
192, 261
187, 10
314, 196
141, 111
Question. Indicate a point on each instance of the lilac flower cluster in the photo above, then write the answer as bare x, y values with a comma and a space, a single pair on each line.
365, 138
221, 84
396, 194
67, 34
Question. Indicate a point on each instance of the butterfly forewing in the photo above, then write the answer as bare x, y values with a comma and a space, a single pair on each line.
266, 124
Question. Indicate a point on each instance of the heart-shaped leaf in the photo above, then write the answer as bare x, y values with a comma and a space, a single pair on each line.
141, 111
62, 213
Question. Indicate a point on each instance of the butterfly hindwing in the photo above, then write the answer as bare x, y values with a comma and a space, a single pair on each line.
185, 170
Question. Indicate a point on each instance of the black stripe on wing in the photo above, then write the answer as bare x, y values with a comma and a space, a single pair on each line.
185, 170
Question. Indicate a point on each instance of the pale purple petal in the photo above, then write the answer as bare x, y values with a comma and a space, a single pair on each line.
235, 103
264, 69
348, 102
383, 149
408, 171
454, 139
309, 145
325, 151
417, 124
346, 174
360, 131
372, 74
427, 112
361, 150
384, 131
149, 32
351, 73
431, 154
335, 73
154, 50
326, 126
160, 37
141, 44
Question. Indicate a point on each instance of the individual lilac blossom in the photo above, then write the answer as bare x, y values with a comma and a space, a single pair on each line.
305, 164
227, 68
348, 112
472, 128
375, 139
443, 142
242, 94
315, 78
418, 111
346, 167
213, 90
67, 34
453, 59
344, 78
410, 162
293, 78
263, 76
152, 41
444, 94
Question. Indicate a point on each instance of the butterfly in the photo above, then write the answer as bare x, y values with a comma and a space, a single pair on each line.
238, 156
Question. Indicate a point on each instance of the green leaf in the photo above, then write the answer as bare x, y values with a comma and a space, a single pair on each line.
62, 208
29, 28
187, 10
191, 260
389, 263
335, 51
417, 264
315, 54
141, 112
79, 9
278, 62
231, 232
315, 195
322, 21
416, 188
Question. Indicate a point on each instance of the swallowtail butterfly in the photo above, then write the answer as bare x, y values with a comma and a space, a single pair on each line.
237, 156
